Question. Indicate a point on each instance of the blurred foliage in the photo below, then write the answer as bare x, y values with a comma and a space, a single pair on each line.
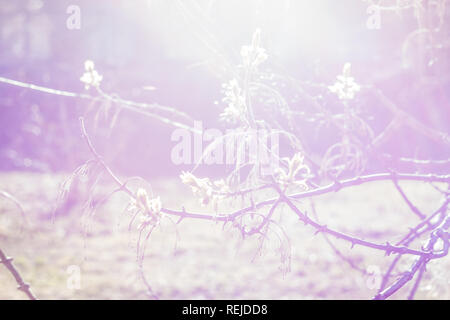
182, 49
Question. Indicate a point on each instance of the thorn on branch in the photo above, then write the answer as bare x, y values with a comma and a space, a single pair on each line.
6, 260
390, 249
22, 285
180, 219
323, 228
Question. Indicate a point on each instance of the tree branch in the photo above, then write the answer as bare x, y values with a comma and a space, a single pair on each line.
22, 286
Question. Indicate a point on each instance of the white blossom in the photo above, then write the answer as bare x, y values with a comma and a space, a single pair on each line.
207, 191
91, 77
253, 55
235, 111
296, 174
345, 86
150, 207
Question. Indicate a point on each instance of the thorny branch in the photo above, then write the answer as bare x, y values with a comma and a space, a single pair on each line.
348, 260
334, 187
414, 234
22, 285
401, 248
440, 233
387, 248
435, 224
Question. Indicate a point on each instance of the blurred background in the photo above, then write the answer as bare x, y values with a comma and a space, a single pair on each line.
179, 53
176, 53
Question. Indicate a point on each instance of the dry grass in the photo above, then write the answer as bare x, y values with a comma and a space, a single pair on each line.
209, 262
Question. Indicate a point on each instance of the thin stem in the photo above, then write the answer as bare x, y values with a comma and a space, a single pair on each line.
417, 283
439, 233
22, 285
138, 107
387, 248
408, 202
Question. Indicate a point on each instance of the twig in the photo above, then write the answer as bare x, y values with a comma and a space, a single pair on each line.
334, 187
403, 118
439, 233
418, 161
417, 283
414, 232
8, 196
387, 248
334, 248
338, 185
141, 108
408, 202
12, 269
410, 237
423, 255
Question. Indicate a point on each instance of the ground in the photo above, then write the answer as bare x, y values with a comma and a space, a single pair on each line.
208, 261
